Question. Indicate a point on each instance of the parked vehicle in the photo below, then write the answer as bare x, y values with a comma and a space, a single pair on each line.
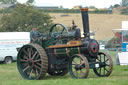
9, 41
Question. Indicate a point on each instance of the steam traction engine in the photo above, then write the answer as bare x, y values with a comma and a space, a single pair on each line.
62, 51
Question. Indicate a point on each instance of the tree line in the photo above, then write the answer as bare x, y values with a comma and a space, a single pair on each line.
23, 17
14, 1
96, 11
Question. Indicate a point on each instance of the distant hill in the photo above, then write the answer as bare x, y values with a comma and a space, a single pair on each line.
102, 24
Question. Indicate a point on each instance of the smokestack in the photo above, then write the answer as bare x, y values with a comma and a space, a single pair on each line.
85, 19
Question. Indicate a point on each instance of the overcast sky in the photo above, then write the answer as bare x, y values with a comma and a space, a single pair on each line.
71, 3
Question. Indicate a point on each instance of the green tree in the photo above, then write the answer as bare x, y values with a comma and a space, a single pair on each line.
116, 5
23, 18
8, 1
92, 7
30, 1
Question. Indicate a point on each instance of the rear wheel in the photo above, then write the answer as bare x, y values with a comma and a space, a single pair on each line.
32, 62
78, 66
8, 60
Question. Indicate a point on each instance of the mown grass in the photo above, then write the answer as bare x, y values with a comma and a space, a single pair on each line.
9, 76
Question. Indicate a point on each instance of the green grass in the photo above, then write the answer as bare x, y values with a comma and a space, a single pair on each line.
9, 76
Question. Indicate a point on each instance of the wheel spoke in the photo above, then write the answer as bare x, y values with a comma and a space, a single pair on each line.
25, 53
107, 65
100, 59
30, 75
34, 55
26, 68
38, 64
37, 67
81, 62
37, 72
56, 29
106, 70
104, 63
37, 60
31, 49
74, 62
25, 64
29, 52
22, 60
106, 60
25, 57
100, 70
81, 73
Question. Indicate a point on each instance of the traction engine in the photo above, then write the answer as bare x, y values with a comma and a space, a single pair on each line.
62, 51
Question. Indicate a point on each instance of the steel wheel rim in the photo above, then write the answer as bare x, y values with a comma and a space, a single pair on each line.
29, 64
106, 66
78, 60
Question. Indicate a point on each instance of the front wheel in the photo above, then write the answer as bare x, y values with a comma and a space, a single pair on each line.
78, 66
105, 65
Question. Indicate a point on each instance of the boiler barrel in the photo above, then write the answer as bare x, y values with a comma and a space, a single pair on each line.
63, 52
90, 48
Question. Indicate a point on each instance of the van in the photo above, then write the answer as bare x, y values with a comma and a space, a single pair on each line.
9, 41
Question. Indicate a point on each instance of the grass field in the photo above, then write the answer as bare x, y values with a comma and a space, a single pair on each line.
9, 75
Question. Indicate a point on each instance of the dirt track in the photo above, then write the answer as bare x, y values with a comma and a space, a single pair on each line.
102, 24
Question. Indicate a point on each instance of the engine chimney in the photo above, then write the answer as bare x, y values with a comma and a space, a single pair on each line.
85, 19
